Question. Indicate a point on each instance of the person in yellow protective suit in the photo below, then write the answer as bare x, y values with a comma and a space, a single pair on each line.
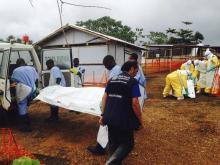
187, 66
177, 81
200, 74
212, 67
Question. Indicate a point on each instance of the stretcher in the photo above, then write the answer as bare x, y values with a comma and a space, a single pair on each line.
84, 100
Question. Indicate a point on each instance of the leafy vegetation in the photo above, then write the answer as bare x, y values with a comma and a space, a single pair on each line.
111, 27
176, 36
18, 40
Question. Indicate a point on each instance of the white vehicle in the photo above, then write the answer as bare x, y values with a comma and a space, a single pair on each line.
9, 53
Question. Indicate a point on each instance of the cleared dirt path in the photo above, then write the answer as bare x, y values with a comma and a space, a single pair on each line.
176, 132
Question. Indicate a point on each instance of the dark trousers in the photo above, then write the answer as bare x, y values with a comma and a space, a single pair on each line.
120, 143
54, 111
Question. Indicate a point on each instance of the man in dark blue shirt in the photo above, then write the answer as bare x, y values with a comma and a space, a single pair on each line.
121, 112
114, 70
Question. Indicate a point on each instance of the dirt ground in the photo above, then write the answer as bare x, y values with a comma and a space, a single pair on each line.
175, 133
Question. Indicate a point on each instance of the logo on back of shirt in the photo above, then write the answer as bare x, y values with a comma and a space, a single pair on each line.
114, 77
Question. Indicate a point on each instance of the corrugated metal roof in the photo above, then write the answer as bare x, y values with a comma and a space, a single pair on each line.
106, 37
177, 46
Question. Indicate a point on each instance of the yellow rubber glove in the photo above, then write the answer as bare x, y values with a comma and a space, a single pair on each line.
74, 71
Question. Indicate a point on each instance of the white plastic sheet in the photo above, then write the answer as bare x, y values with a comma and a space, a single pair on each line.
102, 137
141, 99
85, 100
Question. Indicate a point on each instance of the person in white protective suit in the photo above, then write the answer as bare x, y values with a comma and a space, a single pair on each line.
177, 83
200, 74
212, 67
187, 66
114, 70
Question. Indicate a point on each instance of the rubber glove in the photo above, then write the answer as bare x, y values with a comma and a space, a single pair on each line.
210, 69
187, 92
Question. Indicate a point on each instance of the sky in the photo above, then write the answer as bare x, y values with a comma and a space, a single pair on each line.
18, 17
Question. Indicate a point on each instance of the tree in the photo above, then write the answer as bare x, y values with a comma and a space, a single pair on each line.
111, 27
170, 30
187, 22
17, 39
140, 37
198, 37
184, 36
157, 38
10, 37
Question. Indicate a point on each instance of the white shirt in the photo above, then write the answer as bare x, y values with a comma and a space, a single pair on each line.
116, 70
54, 74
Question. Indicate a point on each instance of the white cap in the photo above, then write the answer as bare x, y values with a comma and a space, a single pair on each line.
207, 52
189, 62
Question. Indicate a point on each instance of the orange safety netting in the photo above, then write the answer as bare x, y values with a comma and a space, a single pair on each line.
10, 149
102, 83
161, 65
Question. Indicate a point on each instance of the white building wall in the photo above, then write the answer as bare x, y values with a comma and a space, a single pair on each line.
74, 37
120, 55
111, 49
88, 56
91, 56
117, 51
60, 40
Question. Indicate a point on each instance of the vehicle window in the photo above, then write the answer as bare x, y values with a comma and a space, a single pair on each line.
13, 57
61, 58
4, 61
26, 55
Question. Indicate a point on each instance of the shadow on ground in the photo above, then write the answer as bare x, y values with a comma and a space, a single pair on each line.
47, 160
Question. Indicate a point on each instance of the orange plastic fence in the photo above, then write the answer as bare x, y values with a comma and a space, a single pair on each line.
161, 65
102, 83
9, 149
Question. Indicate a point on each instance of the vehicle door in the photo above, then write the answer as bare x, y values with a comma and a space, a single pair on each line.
62, 59
5, 96
30, 58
